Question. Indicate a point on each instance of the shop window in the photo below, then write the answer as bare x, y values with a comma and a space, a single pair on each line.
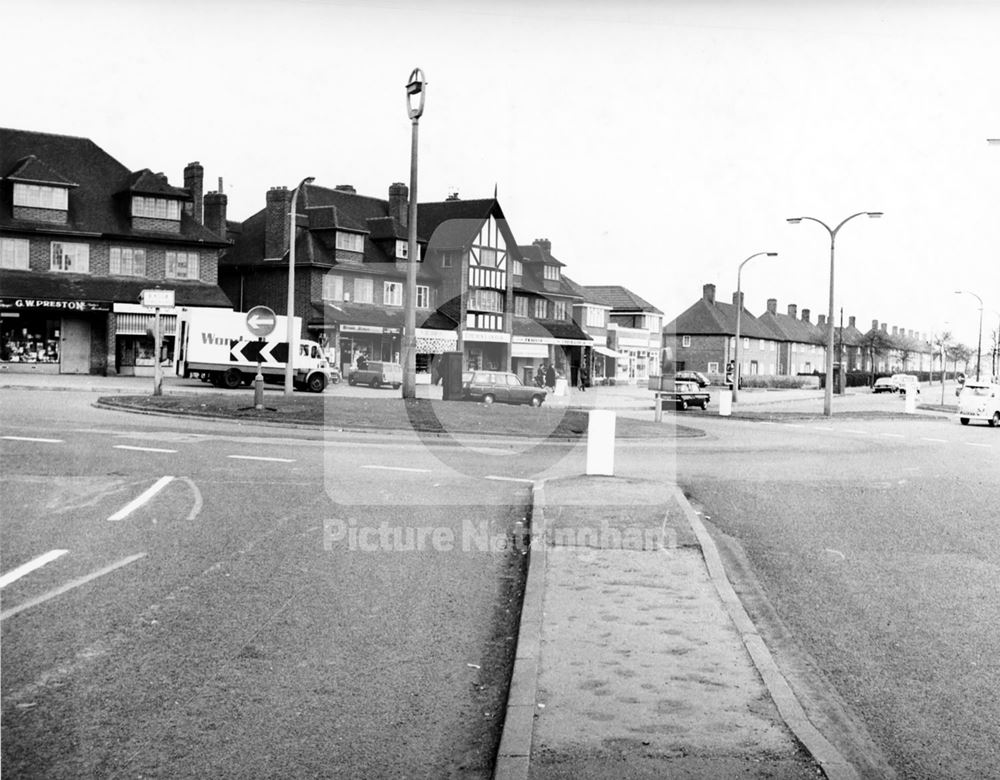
128, 262
70, 257
182, 265
28, 339
14, 253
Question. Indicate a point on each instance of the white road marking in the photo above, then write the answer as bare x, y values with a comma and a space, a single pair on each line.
34, 438
895, 435
129, 508
793, 425
510, 479
860, 433
140, 449
939, 441
70, 586
398, 468
836, 552
30, 566
259, 457
823, 428
976, 444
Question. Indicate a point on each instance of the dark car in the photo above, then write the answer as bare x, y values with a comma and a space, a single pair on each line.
501, 387
692, 376
885, 385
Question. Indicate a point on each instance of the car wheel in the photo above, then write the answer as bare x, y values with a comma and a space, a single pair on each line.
536, 400
488, 399
995, 419
963, 420
316, 383
396, 385
232, 378
684, 404
704, 405
350, 381
374, 383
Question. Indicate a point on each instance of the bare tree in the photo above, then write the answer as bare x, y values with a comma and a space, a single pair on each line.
876, 344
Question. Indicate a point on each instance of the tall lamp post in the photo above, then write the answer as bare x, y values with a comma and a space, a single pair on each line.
828, 394
739, 318
416, 92
292, 336
979, 346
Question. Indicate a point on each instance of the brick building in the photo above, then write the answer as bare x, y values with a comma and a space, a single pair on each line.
634, 332
80, 237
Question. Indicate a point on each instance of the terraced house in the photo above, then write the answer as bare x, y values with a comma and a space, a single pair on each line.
81, 235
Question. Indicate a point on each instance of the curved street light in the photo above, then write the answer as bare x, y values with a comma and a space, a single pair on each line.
292, 336
416, 93
739, 317
828, 394
979, 346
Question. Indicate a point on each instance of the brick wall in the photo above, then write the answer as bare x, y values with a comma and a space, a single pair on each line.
156, 225
32, 214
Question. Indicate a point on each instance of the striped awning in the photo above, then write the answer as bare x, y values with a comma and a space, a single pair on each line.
133, 324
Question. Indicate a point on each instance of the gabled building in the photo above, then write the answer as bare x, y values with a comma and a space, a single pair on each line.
592, 314
634, 332
81, 236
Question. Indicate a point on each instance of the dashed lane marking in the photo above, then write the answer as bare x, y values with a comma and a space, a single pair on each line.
823, 428
894, 435
34, 438
130, 507
936, 441
261, 457
859, 433
70, 586
30, 566
510, 479
398, 468
141, 449
977, 444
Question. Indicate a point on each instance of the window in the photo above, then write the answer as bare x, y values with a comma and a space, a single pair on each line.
448, 259
182, 265
746, 343
484, 321
40, 197
520, 306
552, 273
156, 208
14, 253
333, 287
488, 257
423, 296
761, 345
559, 310
713, 368
595, 317
541, 308
485, 300
518, 268
352, 242
128, 262
392, 293
364, 291
70, 257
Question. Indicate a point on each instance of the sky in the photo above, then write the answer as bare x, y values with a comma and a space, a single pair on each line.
657, 145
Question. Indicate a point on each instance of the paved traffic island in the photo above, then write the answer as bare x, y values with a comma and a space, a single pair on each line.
392, 414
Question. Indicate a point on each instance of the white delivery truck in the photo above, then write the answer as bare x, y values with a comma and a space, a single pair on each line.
218, 346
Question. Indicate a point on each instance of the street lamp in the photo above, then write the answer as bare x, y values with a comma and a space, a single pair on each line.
828, 394
979, 346
416, 92
291, 335
739, 317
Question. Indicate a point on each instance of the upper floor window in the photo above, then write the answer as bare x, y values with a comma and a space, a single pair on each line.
541, 308
182, 265
552, 272
128, 262
364, 291
156, 208
488, 257
485, 300
403, 250
596, 317
41, 197
393, 293
761, 345
423, 297
14, 253
333, 287
559, 310
450, 259
685, 341
352, 242
520, 306
70, 257
518, 267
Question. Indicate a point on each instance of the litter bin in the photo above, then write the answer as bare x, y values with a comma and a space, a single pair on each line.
451, 376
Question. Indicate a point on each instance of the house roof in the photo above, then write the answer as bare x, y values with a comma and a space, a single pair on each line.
584, 294
704, 318
96, 206
620, 299
557, 329
31, 169
788, 328
329, 313
145, 182
534, 253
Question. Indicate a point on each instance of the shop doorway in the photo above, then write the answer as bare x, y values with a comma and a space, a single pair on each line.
75, 358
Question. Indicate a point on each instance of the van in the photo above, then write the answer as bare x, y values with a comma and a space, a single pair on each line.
979, 401
906, 382
377, 373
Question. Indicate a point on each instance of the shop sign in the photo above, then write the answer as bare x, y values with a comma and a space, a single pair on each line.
44, 303
557, 342
158, 299
367, 329
442, 335
486, 335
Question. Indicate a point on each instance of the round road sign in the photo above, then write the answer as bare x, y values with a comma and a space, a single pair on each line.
261, 321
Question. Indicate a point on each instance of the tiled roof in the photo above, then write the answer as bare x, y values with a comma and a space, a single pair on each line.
328, 313
582, 292
77, 287
788, 328
620, 298
145, 182
703, 318
34, 170
95, 206
452, 224
558, 329
533, 253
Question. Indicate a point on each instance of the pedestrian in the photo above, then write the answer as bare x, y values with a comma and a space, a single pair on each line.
540, 375
362, 361
581, 378
550, 377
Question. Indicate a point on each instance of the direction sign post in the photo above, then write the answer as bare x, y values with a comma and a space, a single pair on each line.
157, 299
261, 321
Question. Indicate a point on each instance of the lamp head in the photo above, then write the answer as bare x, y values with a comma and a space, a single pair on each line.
874, 214
415, 93
794, 220
771, 254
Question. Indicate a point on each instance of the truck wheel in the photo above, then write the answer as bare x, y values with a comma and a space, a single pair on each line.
963, 420
995, 420
215, 379
684, 404
316, 383
232, 378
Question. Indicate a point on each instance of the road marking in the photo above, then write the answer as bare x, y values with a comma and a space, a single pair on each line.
70, 586
129, 508
34, 438
976, 444
398, 468
259, 457
30, 566
860, 433
939, 441
836, 552
823, 428
793, 425
140, 449
509, 479
895, 435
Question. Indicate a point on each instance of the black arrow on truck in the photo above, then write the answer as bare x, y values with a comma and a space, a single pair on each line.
266, 352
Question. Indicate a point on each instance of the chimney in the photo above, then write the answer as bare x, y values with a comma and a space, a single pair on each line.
793, 309
215, 212
349, 188
738, 299
772, 305
885, 327
399, 197
895, 330
805, 315
708, 292
279, 201
874, 324
909, 333
821, 320
194, 177
544, 244
850, 322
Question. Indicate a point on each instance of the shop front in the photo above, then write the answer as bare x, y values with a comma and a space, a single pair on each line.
135, 345
366, 342
486, 350
636, 355
53, 336
431, 344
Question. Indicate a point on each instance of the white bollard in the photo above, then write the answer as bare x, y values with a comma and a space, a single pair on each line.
725, 403
601, 443
910, 399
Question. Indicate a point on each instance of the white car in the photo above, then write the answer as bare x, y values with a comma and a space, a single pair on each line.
979, 401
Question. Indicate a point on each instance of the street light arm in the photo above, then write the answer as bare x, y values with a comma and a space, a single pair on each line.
848, 219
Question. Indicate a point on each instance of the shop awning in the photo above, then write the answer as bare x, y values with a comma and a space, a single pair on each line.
519, 350
608, 352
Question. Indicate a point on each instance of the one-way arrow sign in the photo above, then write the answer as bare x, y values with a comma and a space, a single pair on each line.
266, 352
261, 321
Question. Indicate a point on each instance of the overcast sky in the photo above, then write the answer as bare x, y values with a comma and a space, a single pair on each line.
656, 144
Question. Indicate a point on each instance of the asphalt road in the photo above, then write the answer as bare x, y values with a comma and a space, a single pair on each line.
223, 602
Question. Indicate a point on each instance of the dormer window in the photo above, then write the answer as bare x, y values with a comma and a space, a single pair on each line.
403, 251
39, 196
552, 273
156, 208
351, 242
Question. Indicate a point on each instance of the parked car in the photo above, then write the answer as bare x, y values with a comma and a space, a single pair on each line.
377, 373
907, 383
501, 387
979, 401
885, 385
692, 376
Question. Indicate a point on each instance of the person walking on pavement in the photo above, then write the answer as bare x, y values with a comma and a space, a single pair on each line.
581, 378
540, 376
550, 377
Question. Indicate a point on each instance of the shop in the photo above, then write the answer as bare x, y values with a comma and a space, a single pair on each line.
486, 350
635, 355
604, 364
135, 343
527, 355
431, 344
374, 342
53, 336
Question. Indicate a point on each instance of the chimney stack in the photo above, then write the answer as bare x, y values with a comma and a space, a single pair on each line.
349, 188
850, 322
215, 212
194, 177
805, 315
821, 320
772, 305
399, 202
793, 310
885, 327
708, 292
738, 299
895, 330
545, 245
279, 201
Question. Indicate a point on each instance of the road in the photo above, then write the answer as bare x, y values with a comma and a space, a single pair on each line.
211, 601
